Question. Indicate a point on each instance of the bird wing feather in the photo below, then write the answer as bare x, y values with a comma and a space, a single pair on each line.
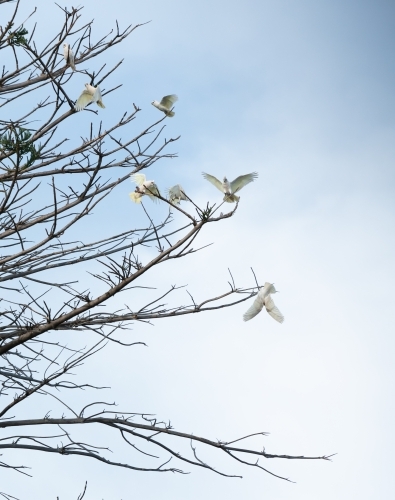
97, 98
255, 309
176, 194
168, 101
139, 179
172, 197
84, 99
151, 191
241, 181
217, 183
70, 58
273, 310
97, 94
182, 194
135, 197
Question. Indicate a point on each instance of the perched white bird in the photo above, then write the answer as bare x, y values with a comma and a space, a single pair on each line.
264, 298
144, 187
90, 94
166, 104
69, 56
176, 194
230, 188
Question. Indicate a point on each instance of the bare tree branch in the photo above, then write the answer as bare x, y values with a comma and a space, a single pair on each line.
60, 266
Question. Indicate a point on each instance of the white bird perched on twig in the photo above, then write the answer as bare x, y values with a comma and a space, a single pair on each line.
176, 194
166, 104
230, 188
90, 94
69, 56
264, 298
144, 187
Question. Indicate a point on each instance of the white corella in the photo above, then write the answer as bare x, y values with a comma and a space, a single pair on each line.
230, 188
166, 104
262, 299
90, 94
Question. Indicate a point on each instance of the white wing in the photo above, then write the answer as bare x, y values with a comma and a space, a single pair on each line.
242, 180
182, 192
71, 60
135, 197
168, 101
153, 190
273, 310
213, 180
139, 179
84, 99
69, 56
97, 97
97, 94
66, 51
255, 309
176, 194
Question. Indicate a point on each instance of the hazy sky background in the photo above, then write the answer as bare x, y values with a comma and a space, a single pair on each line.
303, 93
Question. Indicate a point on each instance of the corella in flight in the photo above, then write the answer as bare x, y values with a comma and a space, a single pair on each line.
264, 298
230, 188
144, 187
166, 104
90, 94
69, 56
176, 194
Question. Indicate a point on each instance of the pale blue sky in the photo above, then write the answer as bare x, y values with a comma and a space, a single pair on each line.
303, 93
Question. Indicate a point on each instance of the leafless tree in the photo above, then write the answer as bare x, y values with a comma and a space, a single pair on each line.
51, 182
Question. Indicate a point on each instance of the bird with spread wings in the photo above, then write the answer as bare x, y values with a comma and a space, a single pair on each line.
230, 188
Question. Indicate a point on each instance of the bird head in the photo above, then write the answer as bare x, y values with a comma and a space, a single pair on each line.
225, 179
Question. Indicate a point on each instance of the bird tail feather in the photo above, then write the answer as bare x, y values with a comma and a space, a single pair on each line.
231, 198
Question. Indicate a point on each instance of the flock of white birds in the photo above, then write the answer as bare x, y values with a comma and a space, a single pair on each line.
176, 194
